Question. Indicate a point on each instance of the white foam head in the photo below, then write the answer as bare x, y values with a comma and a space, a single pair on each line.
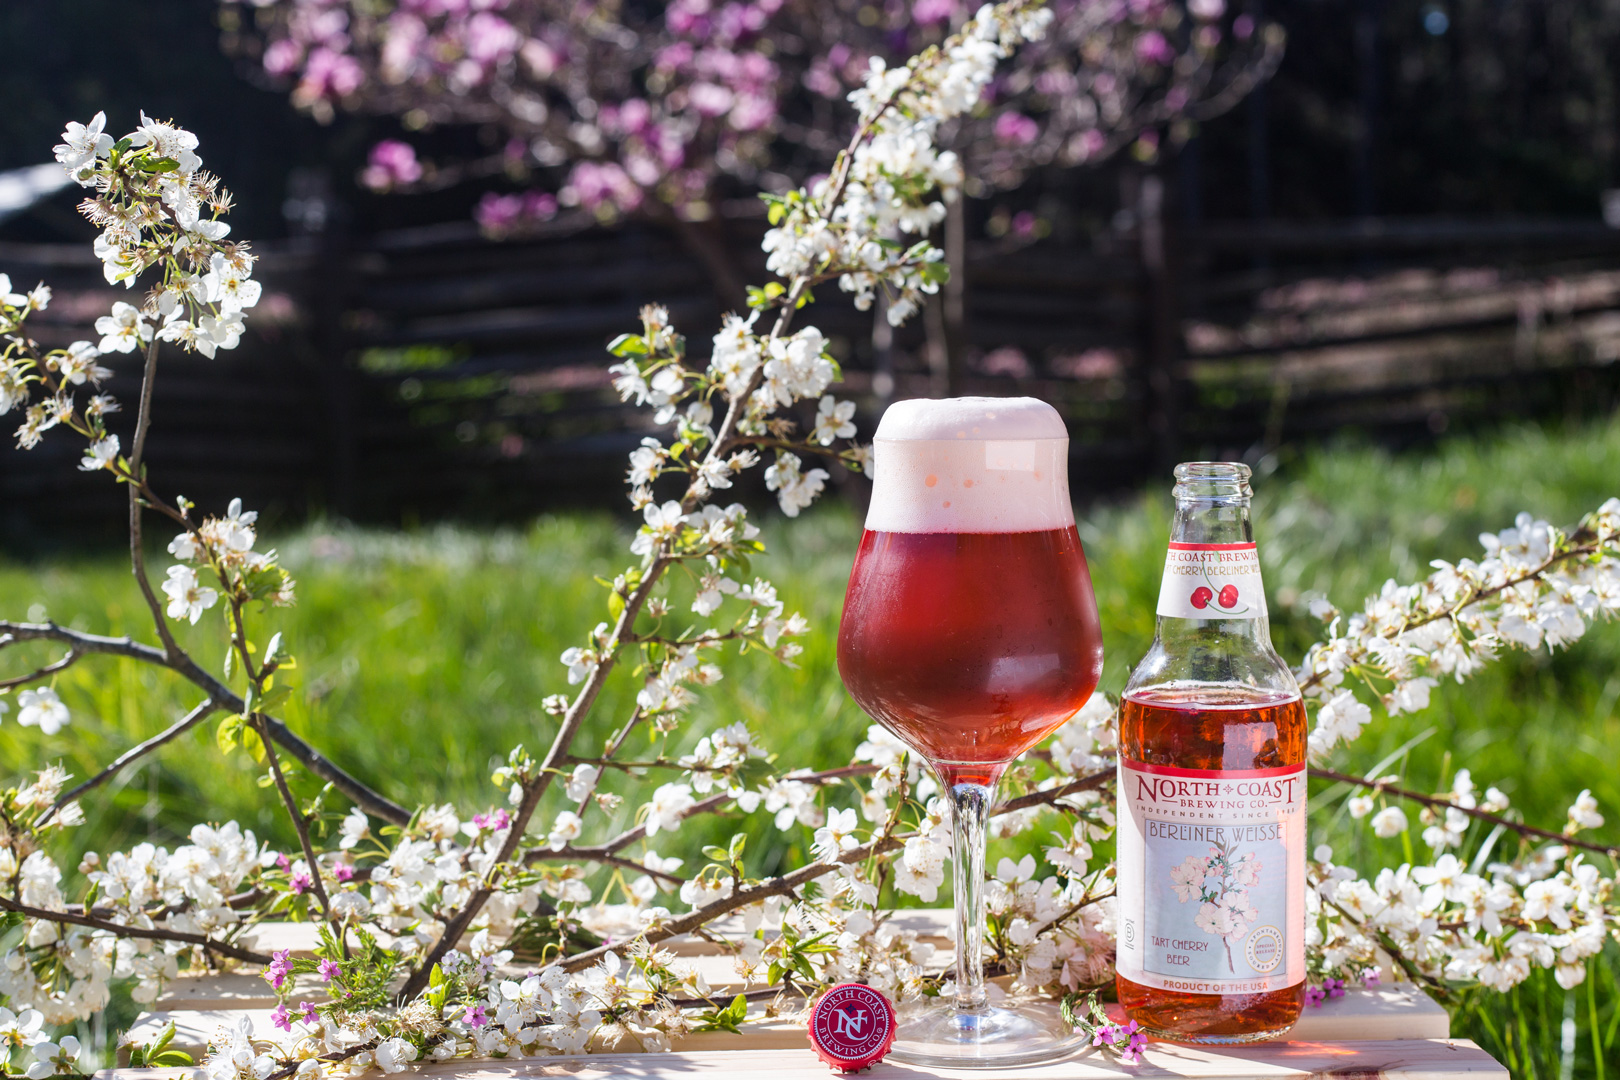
972, 464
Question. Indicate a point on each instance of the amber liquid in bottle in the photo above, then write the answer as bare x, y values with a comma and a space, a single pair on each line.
1212, 832
1226, 728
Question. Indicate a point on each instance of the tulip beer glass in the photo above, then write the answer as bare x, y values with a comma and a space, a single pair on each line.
970, 631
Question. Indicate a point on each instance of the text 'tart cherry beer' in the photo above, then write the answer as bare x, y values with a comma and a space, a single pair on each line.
1211, 839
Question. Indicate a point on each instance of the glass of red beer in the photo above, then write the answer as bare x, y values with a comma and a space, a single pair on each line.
970, 631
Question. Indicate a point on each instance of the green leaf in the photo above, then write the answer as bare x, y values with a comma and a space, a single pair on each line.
275, 698
737, 1011
716, 853
738, 842
776, 213
172, 1059
628, 345
773, 974
436, 977
163, 1040
229, 733
160, 165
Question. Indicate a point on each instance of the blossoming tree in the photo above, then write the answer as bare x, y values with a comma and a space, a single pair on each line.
422, 911
664, 110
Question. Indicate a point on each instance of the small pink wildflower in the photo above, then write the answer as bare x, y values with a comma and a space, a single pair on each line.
1314, 996
329, 970
301, 883
308, 1008
283, 862
343, 872
476, 1017
281, 1017
1371, 977
280, 968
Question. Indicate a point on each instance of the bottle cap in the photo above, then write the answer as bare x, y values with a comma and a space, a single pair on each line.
852, 1027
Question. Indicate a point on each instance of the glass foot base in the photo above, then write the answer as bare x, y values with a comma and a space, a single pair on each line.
1015, 1033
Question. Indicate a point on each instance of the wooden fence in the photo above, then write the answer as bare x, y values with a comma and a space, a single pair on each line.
427, 372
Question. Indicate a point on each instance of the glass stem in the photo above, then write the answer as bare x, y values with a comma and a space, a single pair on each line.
970, 813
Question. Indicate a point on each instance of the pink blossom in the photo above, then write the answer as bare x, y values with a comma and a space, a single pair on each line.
279, 968
330, 74
709, 99
283, 57
281, 1017
301, 883
390, 164
1152, 48
927, 12
752, 112
329, 970
594, 185
490, 38
308, 1012
1017, 129
283, 862
496, 213
476, 1017
542, 206
343, 871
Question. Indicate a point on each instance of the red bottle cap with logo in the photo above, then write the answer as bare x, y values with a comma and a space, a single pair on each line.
852, 1027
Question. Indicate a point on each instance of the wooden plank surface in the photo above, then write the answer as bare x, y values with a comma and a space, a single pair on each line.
1382, 1014
1411, 1059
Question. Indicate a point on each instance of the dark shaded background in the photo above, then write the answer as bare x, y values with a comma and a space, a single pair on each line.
1509, 108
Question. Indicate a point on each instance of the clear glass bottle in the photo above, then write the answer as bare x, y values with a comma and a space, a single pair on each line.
1212, 794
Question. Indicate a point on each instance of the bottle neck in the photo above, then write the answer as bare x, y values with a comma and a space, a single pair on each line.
1212, 583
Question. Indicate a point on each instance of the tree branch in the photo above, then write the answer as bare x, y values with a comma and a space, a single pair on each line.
1473, 598
1441, 802
196, 716
235, 952
787, 883
224, 697
49, 669
137, 552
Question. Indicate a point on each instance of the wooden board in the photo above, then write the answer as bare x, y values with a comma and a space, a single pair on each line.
1410, 1059
1390, 1030
1388, 1014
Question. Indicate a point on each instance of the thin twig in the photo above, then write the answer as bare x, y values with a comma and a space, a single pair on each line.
787, 883
235, 952
1440, 802
300, 822
196, 716
1473, 598
137, 552
573, 854
306, 755
48, 670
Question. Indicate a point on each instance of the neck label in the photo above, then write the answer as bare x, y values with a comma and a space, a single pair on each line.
1212, 581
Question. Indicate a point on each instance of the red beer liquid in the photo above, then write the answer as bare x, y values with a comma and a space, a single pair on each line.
1229, 727
971, 647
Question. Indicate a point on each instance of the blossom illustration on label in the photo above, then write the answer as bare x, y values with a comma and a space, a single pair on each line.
1212, 581
1220, 881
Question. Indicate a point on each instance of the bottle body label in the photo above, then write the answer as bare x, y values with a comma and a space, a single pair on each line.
1211, 878
1212, 581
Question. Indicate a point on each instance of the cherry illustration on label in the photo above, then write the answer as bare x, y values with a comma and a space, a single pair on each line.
1202, 596
1229, 596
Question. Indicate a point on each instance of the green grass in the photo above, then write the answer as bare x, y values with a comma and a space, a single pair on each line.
423, 657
